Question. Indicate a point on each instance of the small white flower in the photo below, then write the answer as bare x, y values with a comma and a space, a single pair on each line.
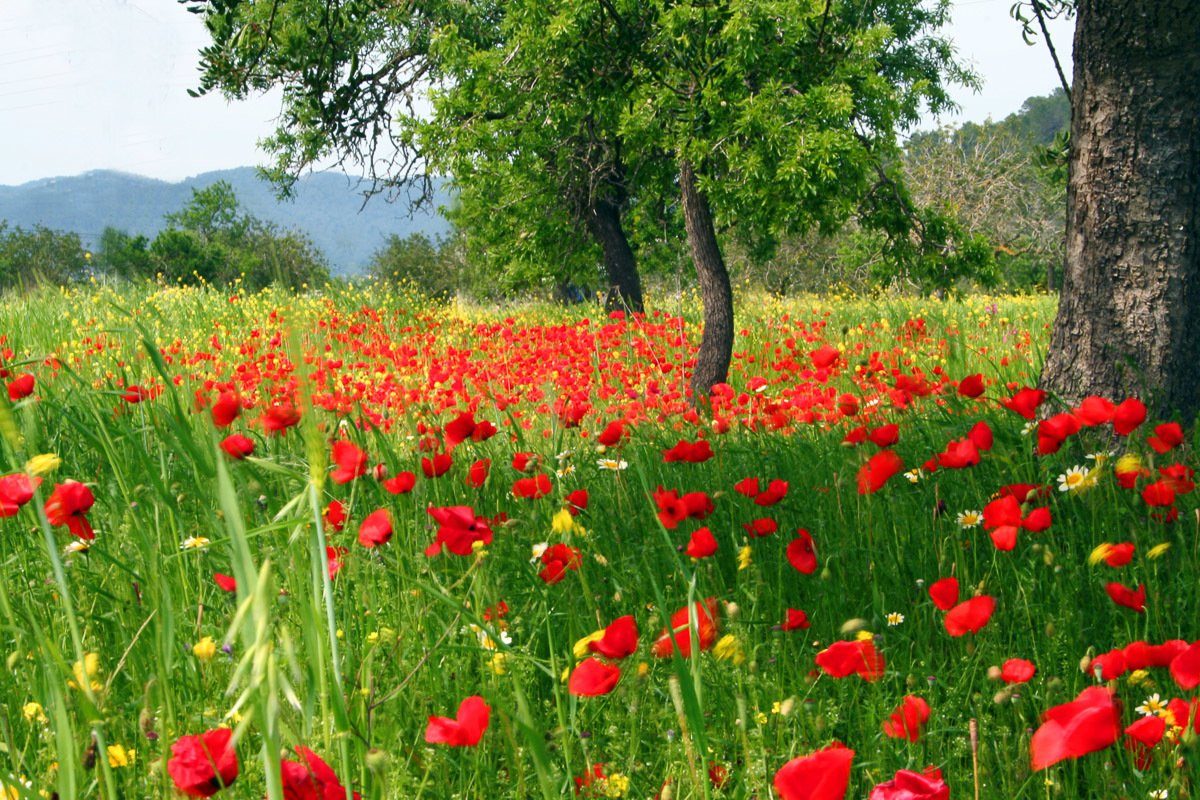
195, 543
565, 471
914, 475
1100, 456
1159, 794
564, 455
969, 519
538, 550
895, 618
1028, 428
76, 546
1075, 479
1153, 706
612, 464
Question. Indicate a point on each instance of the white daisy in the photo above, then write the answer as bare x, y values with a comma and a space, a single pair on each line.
969, 519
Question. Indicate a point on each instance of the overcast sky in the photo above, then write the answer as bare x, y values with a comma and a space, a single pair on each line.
101, 84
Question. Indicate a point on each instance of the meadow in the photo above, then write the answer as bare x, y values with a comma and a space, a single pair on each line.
304, 546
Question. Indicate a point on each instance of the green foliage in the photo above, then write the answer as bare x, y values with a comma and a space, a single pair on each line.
38, 255
123, 255
212, 240
431, 267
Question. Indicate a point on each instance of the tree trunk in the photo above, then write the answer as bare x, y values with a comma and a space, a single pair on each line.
624, 285
1129, 313
716, 345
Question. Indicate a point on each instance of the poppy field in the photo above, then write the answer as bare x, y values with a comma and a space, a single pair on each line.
352, 544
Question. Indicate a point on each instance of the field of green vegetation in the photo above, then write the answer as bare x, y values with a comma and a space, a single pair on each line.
265, 544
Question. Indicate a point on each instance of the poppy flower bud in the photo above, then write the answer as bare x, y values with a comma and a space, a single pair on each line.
376, 760
993, 673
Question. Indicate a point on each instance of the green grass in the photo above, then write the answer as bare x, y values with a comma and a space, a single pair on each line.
353, 667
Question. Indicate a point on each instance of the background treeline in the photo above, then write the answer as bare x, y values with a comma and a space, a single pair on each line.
1004, 182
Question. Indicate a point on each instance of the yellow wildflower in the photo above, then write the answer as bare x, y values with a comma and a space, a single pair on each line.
118, 756
41, 464
205, 649
86, 672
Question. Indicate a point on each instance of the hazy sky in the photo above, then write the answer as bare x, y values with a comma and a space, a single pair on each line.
101, 84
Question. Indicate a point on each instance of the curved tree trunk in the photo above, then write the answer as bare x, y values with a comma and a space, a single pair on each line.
1129, 314
716, 345
624, 284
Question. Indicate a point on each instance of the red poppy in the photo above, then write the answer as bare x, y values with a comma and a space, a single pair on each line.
1109, 666
908, 720
692, 452
825, 356
679, 636
458, 530
577, 501
855, 436
280, 416
477, 474
959, 454
971, 386
843, 659
1090, 722
68, 505
1141, 655
226, 409
1118, 555
1052, 432
761, 527
225, 582
1128, 416
465, 730
593, 678
201, 765
1017, 670
524, 461
310, 779
775, 491
909, 785
944, 593
333, 558
401, 483
1129, 598
1142, 736
884, 435
20, 387
702, 544
375, 529
969, 616
460, 429
1095, 411
237, 446
848, 405
334, 516
876, 472
1025, 402
823, 775
556, 560
795, 620
1166, 437
135, 394
620, 639
437, 466
350, 461
532, 488
1180, 477
15, 491
1185, 667
801, 554
747, 486
612, 434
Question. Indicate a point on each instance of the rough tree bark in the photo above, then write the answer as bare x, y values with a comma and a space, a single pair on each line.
1129, 313
716, 345
624, 283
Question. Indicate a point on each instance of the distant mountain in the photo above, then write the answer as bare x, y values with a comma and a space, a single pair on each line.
328, 207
